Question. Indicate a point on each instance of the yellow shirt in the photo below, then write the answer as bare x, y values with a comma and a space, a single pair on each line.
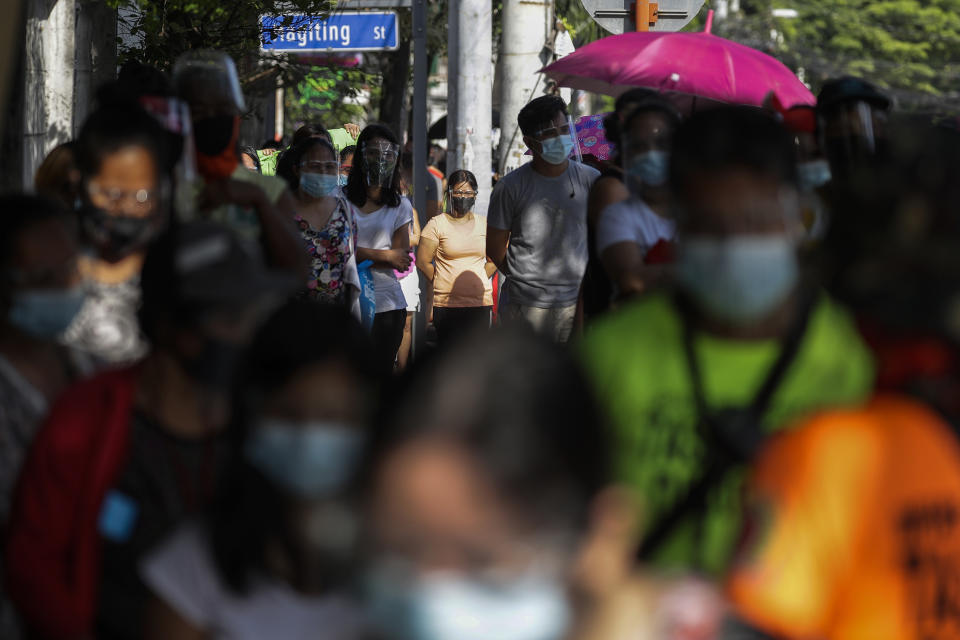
460, 279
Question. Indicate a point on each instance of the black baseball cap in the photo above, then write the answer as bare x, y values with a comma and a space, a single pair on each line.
840, 90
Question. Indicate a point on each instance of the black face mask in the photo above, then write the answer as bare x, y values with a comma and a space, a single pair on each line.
216, 365
117, 236
462, 205
213, 134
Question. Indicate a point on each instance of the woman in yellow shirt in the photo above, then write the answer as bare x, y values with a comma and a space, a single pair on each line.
452, 255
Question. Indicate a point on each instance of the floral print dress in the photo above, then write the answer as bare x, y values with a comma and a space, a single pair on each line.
333, 263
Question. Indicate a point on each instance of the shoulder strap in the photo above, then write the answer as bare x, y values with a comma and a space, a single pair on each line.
719, 463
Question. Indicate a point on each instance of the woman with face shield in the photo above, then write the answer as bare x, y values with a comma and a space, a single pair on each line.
325, 221
627, 231
123, 205
489, 513
453, 256
383, 218
275, 551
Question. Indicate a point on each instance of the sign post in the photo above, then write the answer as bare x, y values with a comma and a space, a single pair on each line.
346, 31
620, 16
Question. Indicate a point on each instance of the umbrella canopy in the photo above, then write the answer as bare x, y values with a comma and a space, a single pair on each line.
695, 64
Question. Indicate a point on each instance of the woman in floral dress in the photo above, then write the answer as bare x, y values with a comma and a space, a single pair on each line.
325, 223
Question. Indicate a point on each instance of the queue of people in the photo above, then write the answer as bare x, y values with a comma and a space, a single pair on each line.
718, 398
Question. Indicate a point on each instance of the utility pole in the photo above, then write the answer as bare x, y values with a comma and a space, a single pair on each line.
469, 143
526, 26
49, 53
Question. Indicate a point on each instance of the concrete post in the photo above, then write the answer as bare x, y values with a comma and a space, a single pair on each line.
96, 55
473, 86
48, 81
526, 27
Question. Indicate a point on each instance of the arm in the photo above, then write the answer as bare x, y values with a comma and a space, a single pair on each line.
415, 229
624, 264
426, 252
396, 257
497, 242
164, 623
603, 193
281, 246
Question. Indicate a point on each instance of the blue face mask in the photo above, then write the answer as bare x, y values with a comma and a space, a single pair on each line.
453, 607
556, 150
318, 185
45, 313
650, 168
813, 175
741, 279
342, 180
310, 460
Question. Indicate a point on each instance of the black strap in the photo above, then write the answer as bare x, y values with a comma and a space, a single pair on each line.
734, 438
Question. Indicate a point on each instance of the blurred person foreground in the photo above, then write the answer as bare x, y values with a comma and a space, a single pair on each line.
707, 392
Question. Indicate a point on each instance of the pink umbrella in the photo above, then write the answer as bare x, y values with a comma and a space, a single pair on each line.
696, 64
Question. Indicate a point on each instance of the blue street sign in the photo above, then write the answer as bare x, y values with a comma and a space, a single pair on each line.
347, 31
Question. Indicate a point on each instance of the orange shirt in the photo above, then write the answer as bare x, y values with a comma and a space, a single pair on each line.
854, 528
460, 279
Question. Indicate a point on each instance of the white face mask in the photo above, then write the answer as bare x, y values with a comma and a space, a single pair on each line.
310, 460
813, 174
450, 606
739, 279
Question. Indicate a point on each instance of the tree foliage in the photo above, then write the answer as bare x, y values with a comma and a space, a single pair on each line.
910, 47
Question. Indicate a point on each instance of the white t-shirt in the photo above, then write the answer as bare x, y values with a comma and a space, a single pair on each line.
632, 221
182, 574
375, 231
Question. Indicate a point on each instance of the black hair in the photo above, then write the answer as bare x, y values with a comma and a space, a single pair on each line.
115, 126
310, 130
289, 160
538, 112
522, 408
611, 124
462, 175
160, 301
251, 153
135, 80
21, 211
652, 104
356, 188
346, 151
270, 143
249, 511
728, 137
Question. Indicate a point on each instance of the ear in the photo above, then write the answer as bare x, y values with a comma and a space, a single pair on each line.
532, 144
606, 558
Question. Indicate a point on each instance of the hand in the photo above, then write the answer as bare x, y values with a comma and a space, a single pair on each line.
399, 259
242, 194
353, 130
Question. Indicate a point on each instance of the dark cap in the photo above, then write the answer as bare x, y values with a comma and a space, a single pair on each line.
840, 90
212, 266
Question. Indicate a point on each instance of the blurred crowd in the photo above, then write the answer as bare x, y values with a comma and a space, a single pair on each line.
706, 389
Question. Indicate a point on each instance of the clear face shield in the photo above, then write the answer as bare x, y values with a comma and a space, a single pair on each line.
208, 79
853, 133
174, 115
320, 177
380, 162
558, 141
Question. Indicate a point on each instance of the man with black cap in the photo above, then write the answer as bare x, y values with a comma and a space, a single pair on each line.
127, 455
851, 118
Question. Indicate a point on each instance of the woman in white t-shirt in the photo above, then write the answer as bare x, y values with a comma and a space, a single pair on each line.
628, 230
273, 558
383, 217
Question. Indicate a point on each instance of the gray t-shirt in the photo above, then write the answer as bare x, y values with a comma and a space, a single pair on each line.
547, 220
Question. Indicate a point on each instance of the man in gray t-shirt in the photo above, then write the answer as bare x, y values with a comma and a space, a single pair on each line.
537, 224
